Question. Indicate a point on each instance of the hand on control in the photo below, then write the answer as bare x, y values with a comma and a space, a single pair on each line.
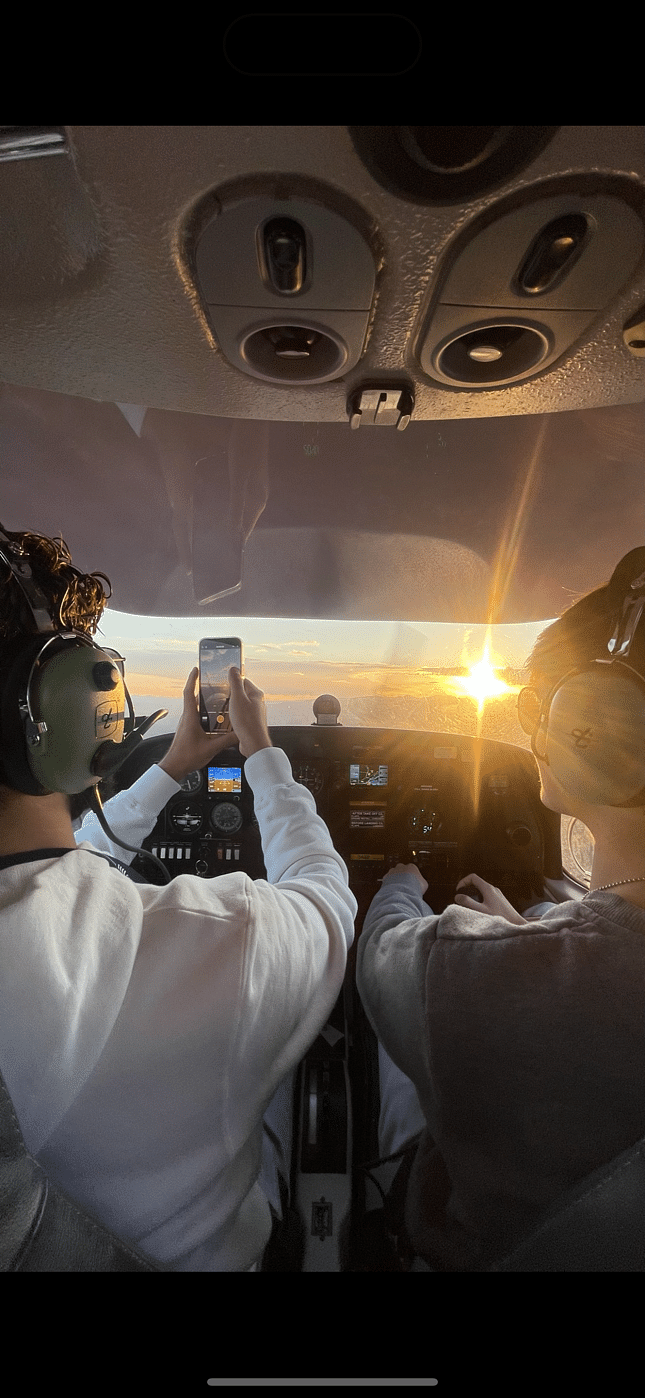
493, 902
407, 869
247, 713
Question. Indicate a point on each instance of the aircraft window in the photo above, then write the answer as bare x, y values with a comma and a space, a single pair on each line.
577, 850
436, 678
406, 573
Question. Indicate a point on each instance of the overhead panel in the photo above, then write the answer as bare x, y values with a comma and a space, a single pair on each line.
287, 286
525, 282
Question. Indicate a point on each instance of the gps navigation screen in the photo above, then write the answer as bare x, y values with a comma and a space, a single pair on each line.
367, 774
225, 779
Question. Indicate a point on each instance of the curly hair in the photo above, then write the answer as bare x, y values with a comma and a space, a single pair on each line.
76, 600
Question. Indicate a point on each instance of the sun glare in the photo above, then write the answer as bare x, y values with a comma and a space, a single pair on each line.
482, 682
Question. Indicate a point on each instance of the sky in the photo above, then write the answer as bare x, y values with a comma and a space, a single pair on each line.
294, 661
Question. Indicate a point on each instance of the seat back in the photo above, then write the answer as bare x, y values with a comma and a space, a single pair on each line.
598, 1226
41, 1229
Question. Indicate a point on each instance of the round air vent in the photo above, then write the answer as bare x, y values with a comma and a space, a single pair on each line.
442, 164
293, 353
490, 355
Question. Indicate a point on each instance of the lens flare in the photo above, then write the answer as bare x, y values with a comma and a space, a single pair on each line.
481, 683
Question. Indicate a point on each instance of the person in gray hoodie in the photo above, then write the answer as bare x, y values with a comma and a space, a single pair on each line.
514, 1046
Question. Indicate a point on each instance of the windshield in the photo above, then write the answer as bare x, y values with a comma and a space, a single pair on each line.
430, 677
406, 573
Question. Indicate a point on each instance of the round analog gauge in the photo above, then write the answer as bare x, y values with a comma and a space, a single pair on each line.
186, 818
308, 776
424, 821
192, 783
226, 817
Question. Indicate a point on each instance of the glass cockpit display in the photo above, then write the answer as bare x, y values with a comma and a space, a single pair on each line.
368, 774
225, 779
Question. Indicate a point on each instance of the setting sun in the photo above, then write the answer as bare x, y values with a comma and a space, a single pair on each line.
482, 682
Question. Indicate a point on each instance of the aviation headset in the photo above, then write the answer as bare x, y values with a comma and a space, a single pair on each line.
62, 708
591, 727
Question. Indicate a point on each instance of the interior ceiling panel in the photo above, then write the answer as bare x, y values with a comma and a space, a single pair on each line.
98, 298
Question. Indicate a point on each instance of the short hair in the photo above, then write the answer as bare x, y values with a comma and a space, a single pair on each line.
76, 600
582, 633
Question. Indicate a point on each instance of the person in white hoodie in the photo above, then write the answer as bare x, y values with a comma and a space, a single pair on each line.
147, 1031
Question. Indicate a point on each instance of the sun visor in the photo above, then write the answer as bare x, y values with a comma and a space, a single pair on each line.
507, 520
344, 574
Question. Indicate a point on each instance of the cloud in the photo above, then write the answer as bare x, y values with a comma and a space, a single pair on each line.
286, 647
162, 686
143, 643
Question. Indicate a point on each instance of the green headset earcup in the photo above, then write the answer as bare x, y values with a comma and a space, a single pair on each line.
595, 742
82, 705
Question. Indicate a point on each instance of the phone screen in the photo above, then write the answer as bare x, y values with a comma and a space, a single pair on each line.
215, 657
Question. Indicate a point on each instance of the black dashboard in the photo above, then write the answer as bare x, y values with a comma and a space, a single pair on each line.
445, 802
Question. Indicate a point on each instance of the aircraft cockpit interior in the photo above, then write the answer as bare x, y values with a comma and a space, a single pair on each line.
369, 404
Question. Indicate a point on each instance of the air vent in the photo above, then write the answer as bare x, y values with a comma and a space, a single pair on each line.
27, 142
295, 353
492, 354
522, 283
287, 285
442, 164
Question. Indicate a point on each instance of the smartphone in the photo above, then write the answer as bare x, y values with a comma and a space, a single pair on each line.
216, 655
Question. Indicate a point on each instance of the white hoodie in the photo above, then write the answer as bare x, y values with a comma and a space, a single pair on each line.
145, 1029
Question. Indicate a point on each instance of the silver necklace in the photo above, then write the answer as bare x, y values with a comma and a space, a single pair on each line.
618, 884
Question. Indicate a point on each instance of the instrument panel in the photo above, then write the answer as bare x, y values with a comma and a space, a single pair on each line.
310, 774
446, 803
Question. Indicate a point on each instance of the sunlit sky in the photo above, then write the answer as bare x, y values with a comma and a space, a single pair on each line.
295, 659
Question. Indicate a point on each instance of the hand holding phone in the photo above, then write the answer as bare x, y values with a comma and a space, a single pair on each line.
248, 715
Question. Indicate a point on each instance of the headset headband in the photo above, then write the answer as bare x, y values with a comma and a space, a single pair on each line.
628, 618
591, 726
13, 556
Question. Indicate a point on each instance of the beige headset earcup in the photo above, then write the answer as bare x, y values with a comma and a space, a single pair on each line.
596, 737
